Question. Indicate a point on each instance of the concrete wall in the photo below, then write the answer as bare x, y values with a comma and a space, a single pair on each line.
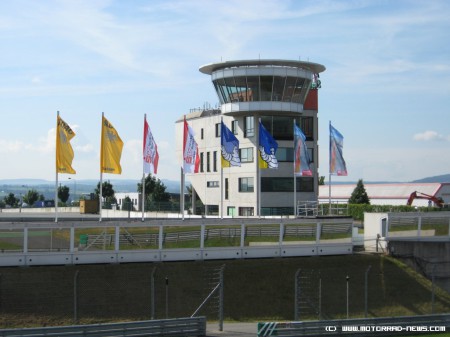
373, 227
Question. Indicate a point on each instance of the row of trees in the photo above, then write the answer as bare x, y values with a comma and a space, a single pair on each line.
31, 197
155, 191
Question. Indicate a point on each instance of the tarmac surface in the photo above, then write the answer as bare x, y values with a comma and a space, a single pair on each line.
232, 330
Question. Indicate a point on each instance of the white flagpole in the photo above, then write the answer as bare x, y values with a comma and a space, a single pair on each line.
143, 173
221, 171
258, 171
101, 173
56, 171
182, 172
295, 177
182, 193
143, 196
329, 179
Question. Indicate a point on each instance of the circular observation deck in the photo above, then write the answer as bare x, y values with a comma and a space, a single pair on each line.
270, 86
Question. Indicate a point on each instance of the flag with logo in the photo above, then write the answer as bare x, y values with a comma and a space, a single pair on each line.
110, 149
337, 162
229, 147
150, 151
267, 149
64, 151
191, 158
301, 156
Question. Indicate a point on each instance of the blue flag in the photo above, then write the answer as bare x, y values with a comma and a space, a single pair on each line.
229, 147
301, 156
337, 162
267, 149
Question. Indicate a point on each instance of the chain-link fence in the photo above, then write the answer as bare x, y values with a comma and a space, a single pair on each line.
260, 289
99, 293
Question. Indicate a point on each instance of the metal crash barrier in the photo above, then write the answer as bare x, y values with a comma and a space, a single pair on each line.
194, 326
364, 327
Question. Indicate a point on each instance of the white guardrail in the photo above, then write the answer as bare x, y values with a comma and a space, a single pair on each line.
360, 327
120, 241
193, 326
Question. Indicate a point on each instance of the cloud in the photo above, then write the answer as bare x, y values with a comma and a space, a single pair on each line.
10, 146
87, 148
430, 136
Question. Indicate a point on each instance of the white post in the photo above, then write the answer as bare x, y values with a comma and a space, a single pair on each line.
295, 177
258, 171
56, 171
182, 194
329, 194
143, 175
72, 239
221, 171
101, 174
143, 196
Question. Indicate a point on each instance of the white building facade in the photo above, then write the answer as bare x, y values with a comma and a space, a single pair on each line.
277, 92
389, 193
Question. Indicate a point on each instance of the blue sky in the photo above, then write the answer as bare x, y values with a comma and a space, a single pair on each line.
386, 87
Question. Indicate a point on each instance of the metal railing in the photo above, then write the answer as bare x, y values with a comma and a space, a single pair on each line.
193, 326
364, 327
48, 243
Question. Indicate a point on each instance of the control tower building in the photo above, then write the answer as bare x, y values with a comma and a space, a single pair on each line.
277, 92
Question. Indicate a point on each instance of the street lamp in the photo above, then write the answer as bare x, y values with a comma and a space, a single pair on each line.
74, 188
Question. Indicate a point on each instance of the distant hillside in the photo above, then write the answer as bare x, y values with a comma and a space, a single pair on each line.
81, 186
445, 178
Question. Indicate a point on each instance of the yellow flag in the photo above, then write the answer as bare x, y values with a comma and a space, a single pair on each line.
64, 151
110, 149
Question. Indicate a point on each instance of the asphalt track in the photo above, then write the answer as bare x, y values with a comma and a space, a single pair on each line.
232, 330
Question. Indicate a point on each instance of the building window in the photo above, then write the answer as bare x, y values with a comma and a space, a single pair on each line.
201, 162
246, 211
304, 184
215, 161
212, 184
246, 184
281, 128
307, 126
218, 127
246, 155
208, 166
226, 188
286, 154
249, 126
234, 127
201, 133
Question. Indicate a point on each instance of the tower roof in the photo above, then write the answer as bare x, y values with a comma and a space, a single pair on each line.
210, 68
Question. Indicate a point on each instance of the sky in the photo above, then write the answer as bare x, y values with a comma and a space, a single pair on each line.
386, 87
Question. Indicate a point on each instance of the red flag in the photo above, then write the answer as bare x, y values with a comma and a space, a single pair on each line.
150, 151
191, 159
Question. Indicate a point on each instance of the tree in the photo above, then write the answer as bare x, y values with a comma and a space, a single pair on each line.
321, 180
127, 204
31, 197
359, 194
154, 189
63, 193
11, 200
107, 192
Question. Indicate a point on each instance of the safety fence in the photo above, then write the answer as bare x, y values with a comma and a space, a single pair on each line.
193, 326
364, 327
418, 224
326, 288
73, 242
